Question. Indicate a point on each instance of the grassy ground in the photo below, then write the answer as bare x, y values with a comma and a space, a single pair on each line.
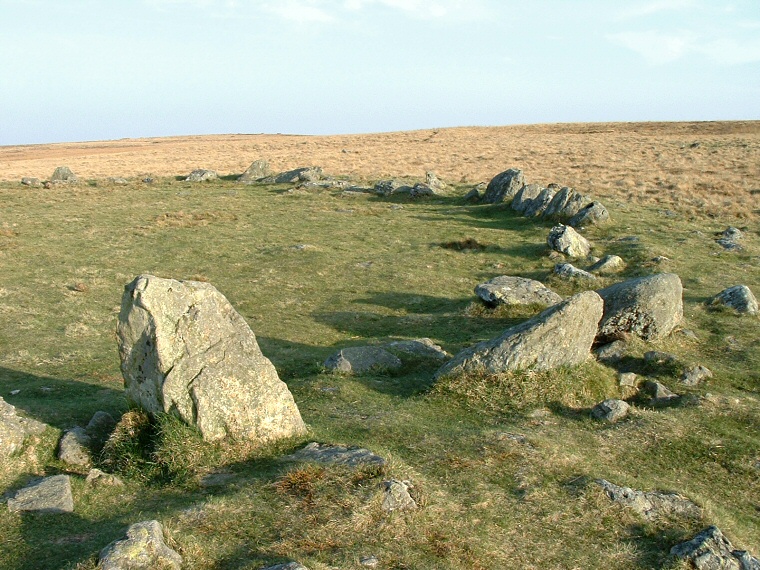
315, 272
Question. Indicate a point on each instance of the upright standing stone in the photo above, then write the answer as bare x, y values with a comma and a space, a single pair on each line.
565, 239
185, 350
259, 169
504, 186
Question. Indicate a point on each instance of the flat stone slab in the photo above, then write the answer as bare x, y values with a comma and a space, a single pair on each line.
50, 495
335, 455
361, 359
653, 504
510, 290
610, 410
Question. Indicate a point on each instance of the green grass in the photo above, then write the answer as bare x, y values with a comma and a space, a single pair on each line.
370, 272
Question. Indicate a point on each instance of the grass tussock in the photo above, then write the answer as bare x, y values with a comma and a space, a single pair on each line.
192, 219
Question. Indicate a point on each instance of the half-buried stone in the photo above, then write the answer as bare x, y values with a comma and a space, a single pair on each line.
185, 350
561, 335
509, 290
384, 358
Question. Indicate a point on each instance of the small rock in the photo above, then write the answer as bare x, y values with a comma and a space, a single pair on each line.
259, 169
651, 505
15, 392
657, 357
420, 348
201, 175
335, 455
97, 478
612, 351
33, 182
389, 187
473, 195
50, 495
565, 239
534, 208
14, 429
432, 181
729, 239
660, 393
569, 271
287, 566
611, 410
100, 427
74, 447
64, 174
693, 375
628, 379
608, 264
369, 561
739, 298
362, 359
711, 550
508, 290
420, 190
303, 174
397, 497
118, 181
143, 549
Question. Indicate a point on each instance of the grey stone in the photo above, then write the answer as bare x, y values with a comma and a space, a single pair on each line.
504, 186
565, 204
653, 504
594, 213
628, 379
610, 410
608, 264
287, 566
33, 182
569, 271
335, 455
303, 174
142, 549
660, 393
64, 174
739, 298
432, 181
14, 429
369, 561
694, 375
259, 169
711, 550
420, 190
473, 195
525, 197
74, 447
729, 239
118, 181
361, 359
389, 187
509, 290
185, 350
49, 495
612, 351
559, 336
201, 175
649, 307
100, 427
659, 357
538, 205
98, 478
420, 348
565, 239
396, 496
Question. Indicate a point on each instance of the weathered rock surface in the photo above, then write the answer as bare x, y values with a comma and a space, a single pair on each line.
739, 298
432, 181
362, 359
201, 175
504, 186
419, 348
565, 239
389, 187
508, 290
98, 478
14, 429
396, 496
651, 505
304, 174
649, 307
99, 428
565, 204
335, 455
661, 395
729, 239
593, 213
608, 264
259, 169
142, 549
628, 379
659, 357
185, 350
74, 447
50, 495
711, 550
420, 190
569, 271
64, 174
561, 335
287, 566
525, 196
117, 180
694, 375
610, 410
538, 205
33, 182
612, 351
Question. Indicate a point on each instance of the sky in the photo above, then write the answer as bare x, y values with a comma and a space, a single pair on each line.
82, 70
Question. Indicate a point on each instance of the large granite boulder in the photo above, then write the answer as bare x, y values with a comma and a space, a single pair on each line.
303, 174
14, 429
49, 495
649, 307
63, 174
537, 206
185, 350
201, 175
561, 335
142, 549
565, 239
525, 197
504, 186
711, 550
594, 213
259, 169
509, 290
739, 298
565, 204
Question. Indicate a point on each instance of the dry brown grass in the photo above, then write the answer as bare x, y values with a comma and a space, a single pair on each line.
710, 168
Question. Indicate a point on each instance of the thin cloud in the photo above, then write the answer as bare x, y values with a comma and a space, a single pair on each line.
656, 47
423, 9
301, 11
654, 7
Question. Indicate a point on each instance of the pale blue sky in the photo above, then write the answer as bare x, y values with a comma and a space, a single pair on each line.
73, 70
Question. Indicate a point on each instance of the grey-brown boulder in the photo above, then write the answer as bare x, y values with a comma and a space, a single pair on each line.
593, 213
565, 204
259, 169
143, 548
504, 186
63, 174
201, 175
569, 271
49, 495
14, 429
561, 335
739, 298
185, 350
538, 205
652, 504
396, 496
362, 359
610, 410
608, 264
649, 307
335, 455
565, 239
433, 182
525, 197
509, 290
74, 447
33, 182
711, 550
303, 174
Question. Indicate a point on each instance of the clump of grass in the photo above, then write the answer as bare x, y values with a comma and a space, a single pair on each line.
466, 244
516, 390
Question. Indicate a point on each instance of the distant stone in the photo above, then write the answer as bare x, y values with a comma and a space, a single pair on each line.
33, 182
201, 175
142, 549
659, 357
612, 351
432, 181
50, 495
739, 298
74, 447
592, 214
651, 505
98, 478
304, 174
504, 186
389, 187
287, 566
694, 375
473, 195
628, 379
185, 350
509, 290
335, 455
362, 359
660, 393
559, 336
729, 239
649, 307
565, 204
565, 239
711, 550
64, 174
118, 181
610, 410
420, 190
420, 348
14, 429
259, 169
396, 496
569, 271
525, 197
538, 205
608, 264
